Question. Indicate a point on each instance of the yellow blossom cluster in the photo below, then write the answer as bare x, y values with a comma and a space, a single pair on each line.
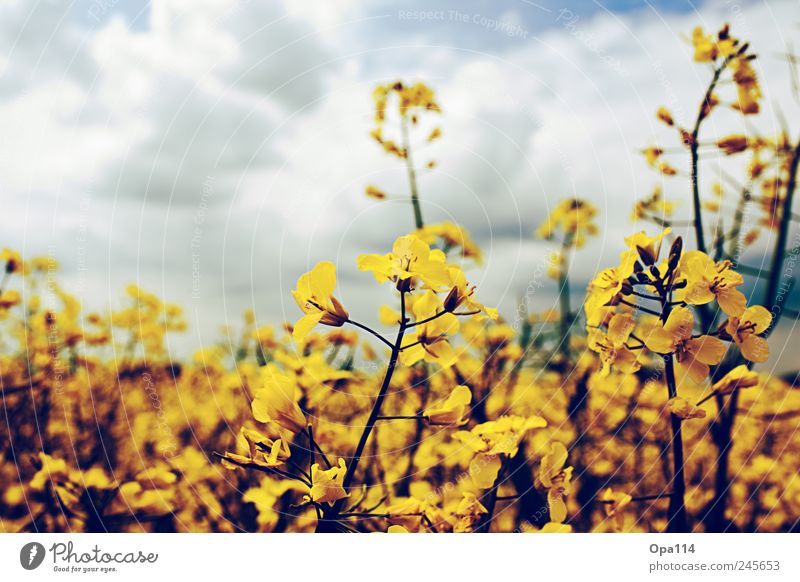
639, 407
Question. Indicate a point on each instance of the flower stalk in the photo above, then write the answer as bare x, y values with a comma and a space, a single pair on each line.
331, 515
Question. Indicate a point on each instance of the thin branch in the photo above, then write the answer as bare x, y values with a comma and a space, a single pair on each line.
640, 308
372, 331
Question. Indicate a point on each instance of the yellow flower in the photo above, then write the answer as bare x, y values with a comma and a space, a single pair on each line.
705, 49
375, 192
747, 86
328, 485
606, 286
492, 439
726, 44
739, 377
684, 410
454, 410
265, 337
557, 480
452, 236
744, 331
53, 471
13, 261
666, 169
707, 280
612, 345
574, 217
552, 463
9, 298
411, 258
665, 116
652, 156
314, 295
468, 512
650, 244
654, 204
272, 449
276, 400
733, 144
397, 529
462, 294
613, 505
694, 355
407, 513
428, 341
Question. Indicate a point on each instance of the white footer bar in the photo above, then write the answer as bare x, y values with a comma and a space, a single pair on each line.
379, 557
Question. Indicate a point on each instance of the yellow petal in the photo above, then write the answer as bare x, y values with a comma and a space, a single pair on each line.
732, 301
626, 361
388, 316
484, 469
411, 246
680, 323
558, 509
305, 324
620, 328
427, 305
660, 340
323, 279
707, 349
755, 348
684, 410
412, 354
444, 353
380, 265
695, 369
758, 315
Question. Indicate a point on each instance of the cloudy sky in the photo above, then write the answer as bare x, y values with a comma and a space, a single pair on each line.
213, 150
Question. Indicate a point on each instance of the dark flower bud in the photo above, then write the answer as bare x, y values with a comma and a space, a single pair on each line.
452, 300
646, 255
675, 254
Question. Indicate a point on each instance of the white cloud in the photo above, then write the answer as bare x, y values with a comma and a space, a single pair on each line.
271, 101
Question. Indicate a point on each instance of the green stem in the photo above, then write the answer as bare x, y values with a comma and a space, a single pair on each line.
776, 270
412, 174
330, 516
738, 219
563, 298
705, 106
676, 514
677, 503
